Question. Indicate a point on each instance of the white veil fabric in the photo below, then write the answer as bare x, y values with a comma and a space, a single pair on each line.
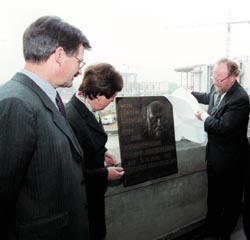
186, 125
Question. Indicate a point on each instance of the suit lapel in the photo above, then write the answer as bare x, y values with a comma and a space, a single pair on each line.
211, 100
87, 115
58, 119
228, 95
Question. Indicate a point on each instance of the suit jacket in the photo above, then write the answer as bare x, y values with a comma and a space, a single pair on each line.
92, 139
42, 192
227, 147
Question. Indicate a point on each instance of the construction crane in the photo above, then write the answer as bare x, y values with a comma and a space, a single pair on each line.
228, 44
229, 31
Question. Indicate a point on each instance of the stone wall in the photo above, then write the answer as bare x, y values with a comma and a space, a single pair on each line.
161, 208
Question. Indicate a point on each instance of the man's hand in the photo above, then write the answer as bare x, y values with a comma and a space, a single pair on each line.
198, 115
202, 115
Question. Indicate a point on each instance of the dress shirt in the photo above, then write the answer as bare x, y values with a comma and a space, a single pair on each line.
43, 84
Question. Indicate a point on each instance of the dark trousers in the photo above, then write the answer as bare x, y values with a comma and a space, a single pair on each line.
224, 202
96, 212
246, 210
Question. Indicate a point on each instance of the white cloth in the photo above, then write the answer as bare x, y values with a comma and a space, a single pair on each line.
186, 124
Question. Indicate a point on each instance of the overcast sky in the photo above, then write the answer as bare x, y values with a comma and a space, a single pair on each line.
150, 37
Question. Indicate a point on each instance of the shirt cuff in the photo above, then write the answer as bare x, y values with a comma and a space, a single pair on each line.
204, 116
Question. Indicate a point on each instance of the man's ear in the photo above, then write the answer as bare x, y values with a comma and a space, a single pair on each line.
59, 53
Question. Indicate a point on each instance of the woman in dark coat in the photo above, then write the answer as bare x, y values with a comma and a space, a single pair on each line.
100, 85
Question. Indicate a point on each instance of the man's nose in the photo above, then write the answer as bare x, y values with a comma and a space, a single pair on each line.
78, 73
215, 82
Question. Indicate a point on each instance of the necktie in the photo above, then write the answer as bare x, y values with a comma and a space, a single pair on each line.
216, 104
60, 105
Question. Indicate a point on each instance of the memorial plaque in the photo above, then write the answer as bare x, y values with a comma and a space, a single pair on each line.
146, 137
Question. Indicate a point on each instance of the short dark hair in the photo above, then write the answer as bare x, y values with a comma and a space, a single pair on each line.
101, 79
48, 33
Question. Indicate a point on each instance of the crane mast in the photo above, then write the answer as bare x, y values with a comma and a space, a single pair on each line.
228, 43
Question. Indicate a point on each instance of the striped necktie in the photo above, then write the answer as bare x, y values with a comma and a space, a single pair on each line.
216, 104
60, 104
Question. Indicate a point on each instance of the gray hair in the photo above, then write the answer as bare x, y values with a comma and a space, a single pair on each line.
232, 66
48, 33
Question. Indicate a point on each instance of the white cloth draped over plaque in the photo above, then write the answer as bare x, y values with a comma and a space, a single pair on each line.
186, 124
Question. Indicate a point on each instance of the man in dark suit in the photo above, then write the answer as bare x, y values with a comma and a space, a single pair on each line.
42, 188
227, 148
100, 84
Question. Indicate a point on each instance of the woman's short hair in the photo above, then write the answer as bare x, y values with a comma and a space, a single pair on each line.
101, 79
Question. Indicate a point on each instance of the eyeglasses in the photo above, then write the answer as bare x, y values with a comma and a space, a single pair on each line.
221, 80
81, 62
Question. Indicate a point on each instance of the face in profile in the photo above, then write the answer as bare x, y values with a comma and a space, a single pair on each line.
156, 119
103, 102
